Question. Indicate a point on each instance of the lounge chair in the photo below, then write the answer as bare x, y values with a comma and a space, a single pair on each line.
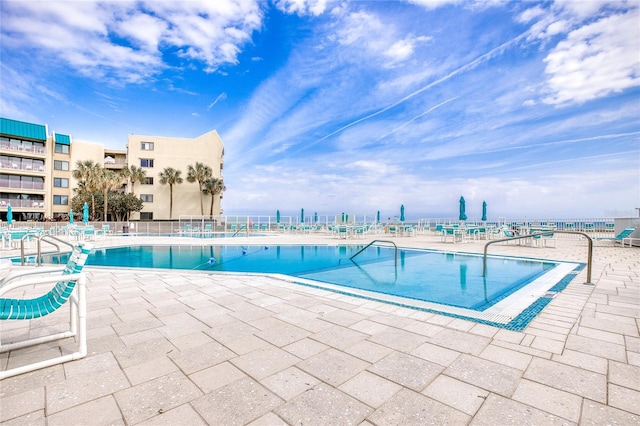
621, 237
65, 280
511, 233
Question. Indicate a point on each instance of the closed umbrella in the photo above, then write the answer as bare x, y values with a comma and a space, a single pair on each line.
378, 217
9, 215
301, 215
70, 215
402, 213
484, 211
463, 215
315, 217
277, 216
85, 213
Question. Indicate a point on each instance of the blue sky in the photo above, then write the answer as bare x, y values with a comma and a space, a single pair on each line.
353, 106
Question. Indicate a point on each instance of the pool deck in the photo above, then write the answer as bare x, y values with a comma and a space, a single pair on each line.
194, 348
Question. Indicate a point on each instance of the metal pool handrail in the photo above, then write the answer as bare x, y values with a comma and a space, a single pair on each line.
537, 234
39, 247
378, 241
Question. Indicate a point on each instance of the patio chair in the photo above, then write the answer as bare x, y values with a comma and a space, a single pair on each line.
105, 230
64, 280
623, 236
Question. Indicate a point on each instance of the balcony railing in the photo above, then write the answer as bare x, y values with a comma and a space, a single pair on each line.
24, 167
10, 184
23, 148
32, 204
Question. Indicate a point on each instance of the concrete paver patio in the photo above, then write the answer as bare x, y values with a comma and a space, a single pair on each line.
194, 348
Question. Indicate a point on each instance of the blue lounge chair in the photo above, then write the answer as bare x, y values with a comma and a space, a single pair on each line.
621, 237
68, 284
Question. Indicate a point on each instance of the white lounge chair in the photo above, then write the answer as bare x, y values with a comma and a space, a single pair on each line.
68, 284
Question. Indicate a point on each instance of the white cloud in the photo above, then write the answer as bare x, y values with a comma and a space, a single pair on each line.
142, 30
403, 49
530, 14
595, 60
434, 4
369, 38
303, 7
119, 42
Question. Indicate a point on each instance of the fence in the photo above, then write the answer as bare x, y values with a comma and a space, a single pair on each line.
597, 227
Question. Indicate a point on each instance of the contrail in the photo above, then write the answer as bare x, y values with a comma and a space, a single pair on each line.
221, 97
559, 142
461, 69
416, 117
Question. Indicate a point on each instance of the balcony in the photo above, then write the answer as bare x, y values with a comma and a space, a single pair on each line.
19, 167
16, 204
21, 150
16, 184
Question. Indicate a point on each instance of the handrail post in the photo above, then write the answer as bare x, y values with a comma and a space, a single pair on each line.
22, 251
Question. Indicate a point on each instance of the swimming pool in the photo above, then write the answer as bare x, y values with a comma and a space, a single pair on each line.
450, 283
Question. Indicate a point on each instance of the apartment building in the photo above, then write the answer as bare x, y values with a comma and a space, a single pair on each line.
36, 170
26, 164
155, 153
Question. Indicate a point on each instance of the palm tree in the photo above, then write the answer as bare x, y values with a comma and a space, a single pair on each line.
170, 176
86, 173
108, 181
134, 174
199, 173
213, 186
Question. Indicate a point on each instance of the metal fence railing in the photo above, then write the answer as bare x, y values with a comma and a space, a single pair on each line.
189, 225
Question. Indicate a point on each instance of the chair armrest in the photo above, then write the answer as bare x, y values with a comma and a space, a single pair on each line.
38, 271
35, 280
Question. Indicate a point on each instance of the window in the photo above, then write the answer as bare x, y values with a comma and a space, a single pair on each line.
146, 162
62, 148
61, 182
60, 200
61, 165
146, 146
147, 181
147, 198
146, 216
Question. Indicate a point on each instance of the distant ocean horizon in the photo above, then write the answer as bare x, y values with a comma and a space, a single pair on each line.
414, 217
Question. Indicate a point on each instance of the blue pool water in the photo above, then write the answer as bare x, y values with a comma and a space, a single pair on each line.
426, 275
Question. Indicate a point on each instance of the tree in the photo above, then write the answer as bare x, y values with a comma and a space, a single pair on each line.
213, 186
134, 174
121, 205
170, 176
108, 180
86, 173
199, 173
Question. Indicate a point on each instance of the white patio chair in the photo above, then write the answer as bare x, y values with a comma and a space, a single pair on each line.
68, 284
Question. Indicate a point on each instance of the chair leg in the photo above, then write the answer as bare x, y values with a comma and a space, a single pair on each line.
77, 327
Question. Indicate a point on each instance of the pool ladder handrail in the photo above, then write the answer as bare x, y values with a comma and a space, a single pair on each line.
39, 247
379, 241
537, 234
241, 229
